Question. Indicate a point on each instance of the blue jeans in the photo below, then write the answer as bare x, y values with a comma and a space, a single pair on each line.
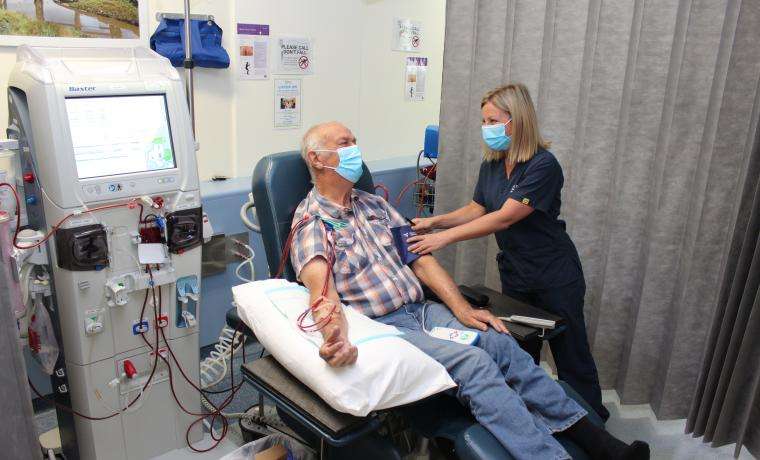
572, 354
506, 392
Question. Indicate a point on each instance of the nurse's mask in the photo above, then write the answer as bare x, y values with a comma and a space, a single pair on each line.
496, 137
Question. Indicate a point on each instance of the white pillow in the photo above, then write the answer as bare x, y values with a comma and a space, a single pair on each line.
388, 372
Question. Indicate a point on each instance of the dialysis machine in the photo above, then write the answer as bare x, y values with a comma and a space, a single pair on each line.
111, 244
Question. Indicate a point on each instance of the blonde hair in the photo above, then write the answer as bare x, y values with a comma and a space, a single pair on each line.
514, 99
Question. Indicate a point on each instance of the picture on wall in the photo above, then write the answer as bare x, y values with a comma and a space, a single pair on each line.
49, 21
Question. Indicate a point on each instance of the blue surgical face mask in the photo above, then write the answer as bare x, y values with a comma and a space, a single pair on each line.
496, 137
350, 164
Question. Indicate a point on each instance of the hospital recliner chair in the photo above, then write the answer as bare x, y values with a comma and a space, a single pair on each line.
280, 182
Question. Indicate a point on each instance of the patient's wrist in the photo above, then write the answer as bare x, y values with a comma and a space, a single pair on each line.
460, 307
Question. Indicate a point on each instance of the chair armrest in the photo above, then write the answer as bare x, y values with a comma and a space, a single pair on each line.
519, 331
507, 306
234, 322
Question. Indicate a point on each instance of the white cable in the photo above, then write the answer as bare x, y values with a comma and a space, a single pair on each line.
126, 410
270, 417
26, 270
244, 215
250, 260
207, 404
214, 368
247, 261
424, 308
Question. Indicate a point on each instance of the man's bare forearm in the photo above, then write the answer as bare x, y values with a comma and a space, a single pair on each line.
432, 275
313, 277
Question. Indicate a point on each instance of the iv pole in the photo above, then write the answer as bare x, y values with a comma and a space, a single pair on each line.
189, 64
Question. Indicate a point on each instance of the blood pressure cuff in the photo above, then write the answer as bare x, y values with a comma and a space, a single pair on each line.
206, 39
400, 235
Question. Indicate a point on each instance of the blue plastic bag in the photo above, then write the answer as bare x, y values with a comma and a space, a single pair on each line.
206, 38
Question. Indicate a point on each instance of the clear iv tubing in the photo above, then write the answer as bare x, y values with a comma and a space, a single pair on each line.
130, 204
6, 247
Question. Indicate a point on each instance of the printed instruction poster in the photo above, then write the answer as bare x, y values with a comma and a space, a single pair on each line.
253, 51
407, 35
287, 103
295, 56
414, 78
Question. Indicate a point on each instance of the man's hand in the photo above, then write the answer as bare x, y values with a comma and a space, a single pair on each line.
479, 319
337, 350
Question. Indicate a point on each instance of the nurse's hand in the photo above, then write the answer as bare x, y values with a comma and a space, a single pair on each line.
422, 225
425, 244
480, 319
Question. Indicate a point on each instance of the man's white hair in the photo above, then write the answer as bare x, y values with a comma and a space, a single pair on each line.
313, 140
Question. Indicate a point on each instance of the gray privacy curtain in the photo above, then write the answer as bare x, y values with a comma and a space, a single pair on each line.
726, 408
652, 107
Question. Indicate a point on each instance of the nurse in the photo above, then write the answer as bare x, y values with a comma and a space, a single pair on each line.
517, 198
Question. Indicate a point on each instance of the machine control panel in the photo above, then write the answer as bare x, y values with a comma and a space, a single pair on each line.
110, 189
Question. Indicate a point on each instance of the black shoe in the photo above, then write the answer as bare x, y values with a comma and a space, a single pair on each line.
638, 450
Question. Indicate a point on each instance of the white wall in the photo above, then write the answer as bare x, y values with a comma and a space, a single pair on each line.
358, 79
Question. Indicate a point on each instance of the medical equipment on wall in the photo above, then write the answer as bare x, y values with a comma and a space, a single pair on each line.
109, 245
423, 195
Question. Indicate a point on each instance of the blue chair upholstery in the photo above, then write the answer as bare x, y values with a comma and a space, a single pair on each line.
280, 182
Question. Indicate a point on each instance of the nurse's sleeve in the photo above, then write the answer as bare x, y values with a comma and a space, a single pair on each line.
479, 195
539, 186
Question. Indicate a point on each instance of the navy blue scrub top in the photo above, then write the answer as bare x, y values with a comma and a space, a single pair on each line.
536, 252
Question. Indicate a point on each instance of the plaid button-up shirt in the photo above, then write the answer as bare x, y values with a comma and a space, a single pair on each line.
369, 274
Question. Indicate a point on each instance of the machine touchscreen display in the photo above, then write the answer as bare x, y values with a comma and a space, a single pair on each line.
115, 135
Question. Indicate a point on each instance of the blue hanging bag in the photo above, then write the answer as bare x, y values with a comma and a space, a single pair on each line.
169, 41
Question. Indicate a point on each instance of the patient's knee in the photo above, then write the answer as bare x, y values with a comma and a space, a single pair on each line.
499, 342
477, 363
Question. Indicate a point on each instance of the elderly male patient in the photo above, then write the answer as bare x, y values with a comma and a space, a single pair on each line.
505, 391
